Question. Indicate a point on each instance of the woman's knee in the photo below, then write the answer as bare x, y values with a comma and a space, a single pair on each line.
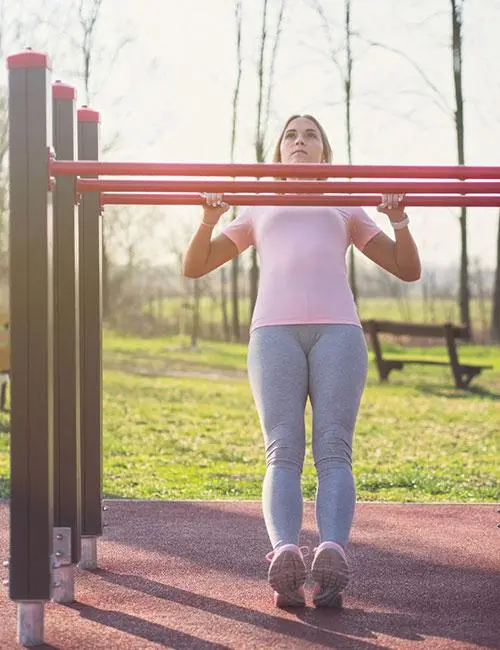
282, 451
332, 451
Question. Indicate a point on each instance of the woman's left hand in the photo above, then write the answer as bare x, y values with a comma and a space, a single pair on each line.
393, 206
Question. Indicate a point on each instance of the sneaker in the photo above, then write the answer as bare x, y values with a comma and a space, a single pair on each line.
287, 575
330, 573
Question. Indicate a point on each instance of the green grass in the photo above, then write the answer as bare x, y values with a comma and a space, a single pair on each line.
181, 424
414, 309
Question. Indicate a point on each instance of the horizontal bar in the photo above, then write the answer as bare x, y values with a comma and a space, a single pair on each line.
299, 187
299, 199
277, 170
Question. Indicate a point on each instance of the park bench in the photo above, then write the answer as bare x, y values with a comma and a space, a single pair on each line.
462, 373
4, 359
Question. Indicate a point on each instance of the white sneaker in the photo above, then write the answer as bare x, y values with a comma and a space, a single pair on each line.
287, 575
330, 573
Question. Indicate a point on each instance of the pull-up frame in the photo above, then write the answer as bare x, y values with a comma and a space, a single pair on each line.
55, 303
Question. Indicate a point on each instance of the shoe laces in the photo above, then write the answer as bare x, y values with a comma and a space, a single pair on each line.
304, 551
334, 545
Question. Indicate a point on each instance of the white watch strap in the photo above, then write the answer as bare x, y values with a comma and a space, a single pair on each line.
399, 225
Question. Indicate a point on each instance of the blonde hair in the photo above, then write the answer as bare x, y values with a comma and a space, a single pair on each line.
327, 149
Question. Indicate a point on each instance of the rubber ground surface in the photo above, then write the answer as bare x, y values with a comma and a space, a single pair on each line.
193, 575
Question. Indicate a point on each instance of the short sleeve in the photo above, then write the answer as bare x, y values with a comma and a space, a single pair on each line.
362, 227
240, 230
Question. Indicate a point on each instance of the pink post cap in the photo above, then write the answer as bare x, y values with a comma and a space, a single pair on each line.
27, 59
86, 114
61, 90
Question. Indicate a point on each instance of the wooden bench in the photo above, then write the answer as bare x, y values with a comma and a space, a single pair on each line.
4, 359
462, 373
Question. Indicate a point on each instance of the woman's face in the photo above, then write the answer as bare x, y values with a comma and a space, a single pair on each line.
301, 142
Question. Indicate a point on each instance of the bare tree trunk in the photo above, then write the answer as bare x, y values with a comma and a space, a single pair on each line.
495, 307
88, 17
259, 144
457, 22
235, 299
481, 301
235, 263
345, 72
88, 22
265, 90
458, 116
106, 298
223, 302
10, 31
3, 187
254, 281
195, 330
347, 89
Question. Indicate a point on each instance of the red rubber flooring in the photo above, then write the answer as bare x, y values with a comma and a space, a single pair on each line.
193, 575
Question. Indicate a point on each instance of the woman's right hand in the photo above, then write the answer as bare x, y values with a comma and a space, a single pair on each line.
214, 207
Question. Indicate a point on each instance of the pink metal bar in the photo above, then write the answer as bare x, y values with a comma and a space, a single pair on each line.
264, 170
299, 187
299, 199
27, 59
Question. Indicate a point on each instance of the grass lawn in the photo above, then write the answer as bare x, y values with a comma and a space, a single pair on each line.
414, 310
180, 424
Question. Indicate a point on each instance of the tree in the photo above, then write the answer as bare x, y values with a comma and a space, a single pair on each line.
345, 72
265, 86
457, 7
495, 314
90, 57
457, 114
3, 175
235, 266
10, 34
78, 33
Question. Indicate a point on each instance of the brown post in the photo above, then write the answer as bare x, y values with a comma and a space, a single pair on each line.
377, 350
31, 504
90, 345
67, 478
452, 352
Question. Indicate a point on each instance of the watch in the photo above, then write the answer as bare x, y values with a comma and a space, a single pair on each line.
399, 225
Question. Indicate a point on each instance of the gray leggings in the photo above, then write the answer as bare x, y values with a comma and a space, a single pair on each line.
286, 364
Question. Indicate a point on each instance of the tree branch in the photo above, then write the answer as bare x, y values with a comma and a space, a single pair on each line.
445, 106
327, 31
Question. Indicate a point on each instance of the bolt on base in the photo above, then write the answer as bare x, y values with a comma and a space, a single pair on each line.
63, 587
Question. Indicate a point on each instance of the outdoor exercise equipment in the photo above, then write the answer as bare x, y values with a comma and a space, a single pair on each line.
58, 189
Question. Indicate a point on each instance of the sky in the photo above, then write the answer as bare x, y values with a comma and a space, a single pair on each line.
168, 93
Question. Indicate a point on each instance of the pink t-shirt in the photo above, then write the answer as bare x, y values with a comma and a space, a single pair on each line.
302, 255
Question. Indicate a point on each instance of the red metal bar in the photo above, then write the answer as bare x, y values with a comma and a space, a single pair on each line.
86, 114
61, 90
27, 59
299, 187
264, 170
299, 199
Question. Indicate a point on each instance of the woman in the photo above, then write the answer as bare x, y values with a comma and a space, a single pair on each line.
306, 341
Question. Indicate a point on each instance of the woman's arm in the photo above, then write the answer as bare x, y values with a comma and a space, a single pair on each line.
400, 256
204, 254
